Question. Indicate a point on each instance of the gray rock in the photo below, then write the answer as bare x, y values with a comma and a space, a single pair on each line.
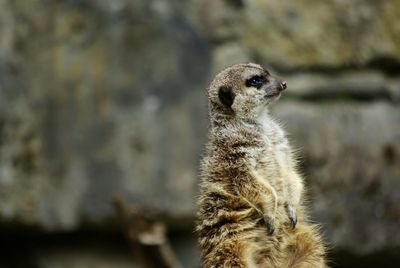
307, 34
95, 103
85, 249
84, 257
350, 153
364, 85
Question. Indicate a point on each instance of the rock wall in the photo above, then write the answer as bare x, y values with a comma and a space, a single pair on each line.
103, 97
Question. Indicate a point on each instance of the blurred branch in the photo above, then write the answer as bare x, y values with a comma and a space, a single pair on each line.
146, 234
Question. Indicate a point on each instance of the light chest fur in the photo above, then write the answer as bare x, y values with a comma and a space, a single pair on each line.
274, 158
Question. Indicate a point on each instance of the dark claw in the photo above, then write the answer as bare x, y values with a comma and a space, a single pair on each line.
271, 229
292, 218
293, 222
270, 226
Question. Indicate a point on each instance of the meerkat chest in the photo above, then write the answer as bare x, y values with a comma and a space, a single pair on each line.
274, 153
272, 134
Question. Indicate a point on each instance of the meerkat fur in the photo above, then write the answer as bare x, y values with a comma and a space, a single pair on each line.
251, 210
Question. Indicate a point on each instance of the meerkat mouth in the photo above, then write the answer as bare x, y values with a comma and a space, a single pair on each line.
272, 95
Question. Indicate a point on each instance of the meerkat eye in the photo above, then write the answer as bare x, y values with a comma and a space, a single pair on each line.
255, 81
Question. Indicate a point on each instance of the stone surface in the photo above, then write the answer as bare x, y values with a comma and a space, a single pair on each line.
84, 250
307, 34
350, 153
351, 85
100, 99
84, 258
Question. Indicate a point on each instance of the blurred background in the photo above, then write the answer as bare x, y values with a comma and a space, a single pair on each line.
106, 97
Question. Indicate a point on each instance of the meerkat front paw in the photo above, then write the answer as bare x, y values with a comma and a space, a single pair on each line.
291, 212
270, 224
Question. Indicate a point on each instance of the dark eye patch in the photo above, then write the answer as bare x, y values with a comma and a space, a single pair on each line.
255, 81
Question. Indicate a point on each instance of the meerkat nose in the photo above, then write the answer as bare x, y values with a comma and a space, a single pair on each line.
283, 85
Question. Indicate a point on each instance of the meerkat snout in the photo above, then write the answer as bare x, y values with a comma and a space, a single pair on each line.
274, 86
283, 85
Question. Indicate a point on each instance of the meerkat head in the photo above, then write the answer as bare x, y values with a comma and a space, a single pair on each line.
243, 91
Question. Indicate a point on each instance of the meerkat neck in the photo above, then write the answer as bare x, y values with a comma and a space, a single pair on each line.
264, 119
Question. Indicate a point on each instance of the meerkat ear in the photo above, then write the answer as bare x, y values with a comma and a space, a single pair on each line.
226, 96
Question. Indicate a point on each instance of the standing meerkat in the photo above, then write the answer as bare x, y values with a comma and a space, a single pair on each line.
250, 210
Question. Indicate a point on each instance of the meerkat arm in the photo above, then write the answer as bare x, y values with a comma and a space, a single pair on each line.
260, 195
295, 189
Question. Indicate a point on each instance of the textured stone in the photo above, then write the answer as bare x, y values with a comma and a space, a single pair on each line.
351, 155
308, 34
84, 250
83, 258
101, 97
350, 85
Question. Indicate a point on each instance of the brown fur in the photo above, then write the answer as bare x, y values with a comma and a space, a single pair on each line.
251, 192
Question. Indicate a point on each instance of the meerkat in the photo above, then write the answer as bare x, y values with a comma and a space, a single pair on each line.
251, 211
